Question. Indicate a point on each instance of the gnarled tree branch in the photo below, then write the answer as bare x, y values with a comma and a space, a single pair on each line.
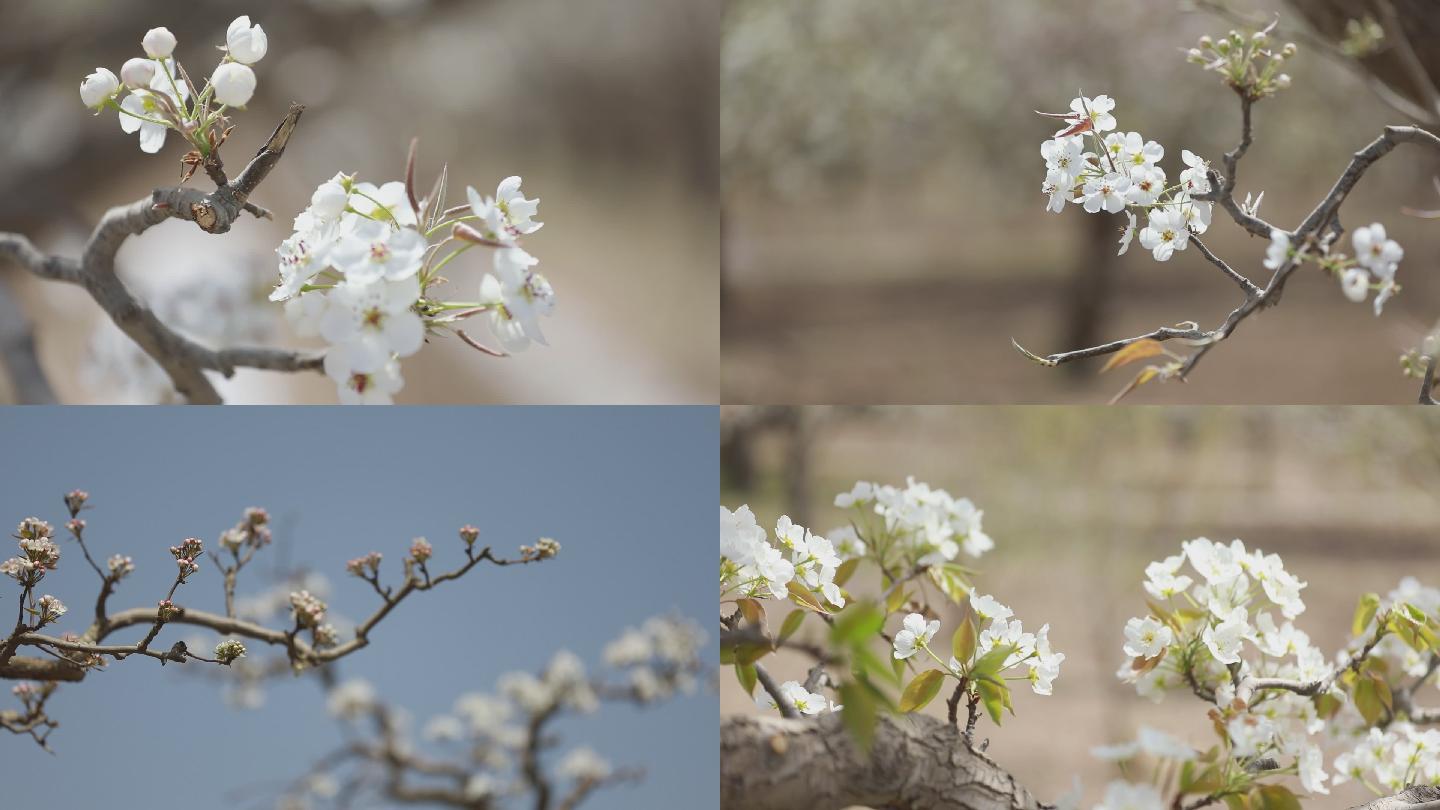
183, 360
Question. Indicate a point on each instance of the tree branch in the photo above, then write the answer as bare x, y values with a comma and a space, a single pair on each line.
183, 360
916, 763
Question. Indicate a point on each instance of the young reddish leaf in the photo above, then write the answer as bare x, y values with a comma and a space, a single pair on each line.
804, 597
1139, 350
1148, 374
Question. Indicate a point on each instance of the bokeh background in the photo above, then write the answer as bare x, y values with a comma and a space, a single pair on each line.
1079, 499
622, 489
607, 109
885, 236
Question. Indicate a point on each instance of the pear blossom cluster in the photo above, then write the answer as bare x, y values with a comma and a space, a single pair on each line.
1121, 172
47, 609
542, 549
924, 525
1232, 599
365, 567
363, 264
751, 565
996, 630
1213, 628
1377, 257
1389, 760
658, 658
487, 733
154, 95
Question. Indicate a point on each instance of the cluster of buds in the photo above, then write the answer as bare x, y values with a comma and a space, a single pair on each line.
162, 96
166, 610
544, 549
309, 610
325, 636
469, 534
38, 553
252, 531
47, 609
185, 555
75, 526
75, 501
366, 567
33, 528
229, 650
120, 566
1250, 64
421, 550
32, 694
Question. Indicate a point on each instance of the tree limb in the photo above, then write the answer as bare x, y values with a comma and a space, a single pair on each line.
917, 762
183, 360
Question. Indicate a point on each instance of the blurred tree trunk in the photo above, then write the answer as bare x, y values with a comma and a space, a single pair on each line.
1091, 286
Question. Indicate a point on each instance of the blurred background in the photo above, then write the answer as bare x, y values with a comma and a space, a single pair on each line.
885, 235
615, 486
1078, 500
607, 109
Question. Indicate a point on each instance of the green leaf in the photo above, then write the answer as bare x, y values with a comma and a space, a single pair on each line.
896, 600
745, 673
1208, 781
1367, 700
990, 663
856, 624
1274, 797
792, 623
860, 714
1364, 612
727, 654
921, 691
1327, 705
846, 570
994, 696
962, 644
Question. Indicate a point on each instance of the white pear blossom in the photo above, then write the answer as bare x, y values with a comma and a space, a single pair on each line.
914, 634
1165, 233
804, 701
1120, 795
1147, 637
1374, 250
1195, 179
98, 88
507, 215
374, 321
1224, 639
1064, 157
988, 607
1097, 109
158, 43
234, 84
245, 42
375, 250
358, 387
136, 73
1278, 250
517, 297
1107, 193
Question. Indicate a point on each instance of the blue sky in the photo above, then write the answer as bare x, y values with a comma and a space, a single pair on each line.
628, 492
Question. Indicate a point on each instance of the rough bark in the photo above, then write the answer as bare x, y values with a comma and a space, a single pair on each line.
916, 763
